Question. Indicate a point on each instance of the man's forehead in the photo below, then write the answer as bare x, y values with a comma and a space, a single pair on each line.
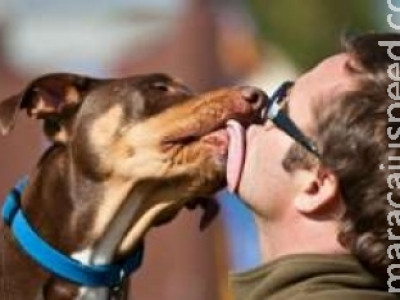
334, 67
338, 61
320, 85
331, 76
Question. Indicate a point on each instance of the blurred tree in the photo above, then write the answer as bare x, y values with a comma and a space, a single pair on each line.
309, 30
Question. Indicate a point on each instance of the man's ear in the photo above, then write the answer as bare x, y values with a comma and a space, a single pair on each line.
51, 98
318, 191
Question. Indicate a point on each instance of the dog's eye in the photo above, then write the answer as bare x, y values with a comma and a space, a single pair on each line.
161, 86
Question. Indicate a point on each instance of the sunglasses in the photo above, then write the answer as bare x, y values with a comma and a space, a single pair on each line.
281, 120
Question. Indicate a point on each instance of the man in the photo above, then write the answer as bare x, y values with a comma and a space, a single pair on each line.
313, 178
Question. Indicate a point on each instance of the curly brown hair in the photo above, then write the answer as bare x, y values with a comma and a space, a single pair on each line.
352, 136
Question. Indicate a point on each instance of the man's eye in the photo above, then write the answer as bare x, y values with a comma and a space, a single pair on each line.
281, 99
283, 102
284, 105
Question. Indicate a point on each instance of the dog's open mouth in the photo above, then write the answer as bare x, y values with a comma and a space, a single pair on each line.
229, 143
228, 146
217, 137
214, 126
218, 121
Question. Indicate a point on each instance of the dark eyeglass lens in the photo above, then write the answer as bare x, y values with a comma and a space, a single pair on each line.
281, 92
279, 95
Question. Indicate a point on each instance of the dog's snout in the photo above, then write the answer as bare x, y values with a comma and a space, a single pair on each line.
254, 96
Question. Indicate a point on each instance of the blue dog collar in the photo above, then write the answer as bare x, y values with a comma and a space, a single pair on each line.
56, 262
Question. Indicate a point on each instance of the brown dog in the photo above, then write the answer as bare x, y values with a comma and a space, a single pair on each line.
126, 154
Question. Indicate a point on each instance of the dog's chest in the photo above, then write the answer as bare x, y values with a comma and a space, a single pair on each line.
86, 293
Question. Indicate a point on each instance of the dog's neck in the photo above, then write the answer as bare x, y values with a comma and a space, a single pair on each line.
91, 230
111, 218
75, 213
105, 247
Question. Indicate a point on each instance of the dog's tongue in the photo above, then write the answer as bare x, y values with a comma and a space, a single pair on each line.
236, 153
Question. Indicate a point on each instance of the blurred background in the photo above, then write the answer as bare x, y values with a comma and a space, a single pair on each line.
208, 44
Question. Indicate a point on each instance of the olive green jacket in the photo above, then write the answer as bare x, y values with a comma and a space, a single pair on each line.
310, 277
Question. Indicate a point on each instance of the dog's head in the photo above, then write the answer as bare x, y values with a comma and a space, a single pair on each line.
146, 141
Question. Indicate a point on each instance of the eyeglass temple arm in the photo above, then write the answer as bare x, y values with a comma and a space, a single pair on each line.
284, 123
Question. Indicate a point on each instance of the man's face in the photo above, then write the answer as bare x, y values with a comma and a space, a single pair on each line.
265, 185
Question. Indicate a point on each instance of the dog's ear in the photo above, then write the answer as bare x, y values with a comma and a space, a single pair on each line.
8, 109
52, 98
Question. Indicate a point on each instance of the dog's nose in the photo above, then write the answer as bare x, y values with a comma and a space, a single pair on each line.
256, 97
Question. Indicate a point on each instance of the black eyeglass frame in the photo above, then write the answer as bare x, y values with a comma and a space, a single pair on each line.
283, 121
